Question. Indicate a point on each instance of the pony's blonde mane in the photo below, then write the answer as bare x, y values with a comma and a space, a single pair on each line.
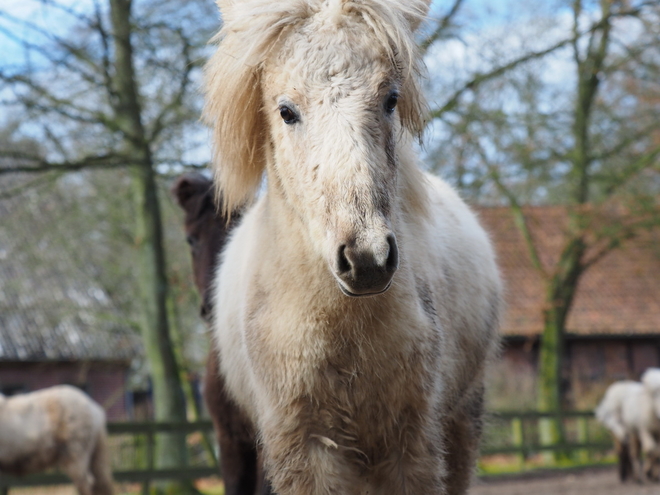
252, 30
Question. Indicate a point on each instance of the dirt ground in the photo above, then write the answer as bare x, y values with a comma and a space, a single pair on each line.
591, 482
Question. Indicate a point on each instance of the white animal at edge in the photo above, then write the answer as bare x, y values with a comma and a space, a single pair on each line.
631, 411
357, 303
56, 427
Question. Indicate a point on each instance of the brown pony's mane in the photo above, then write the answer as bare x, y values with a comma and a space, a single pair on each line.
250, 34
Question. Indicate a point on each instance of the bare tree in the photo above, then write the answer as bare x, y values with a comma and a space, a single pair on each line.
116, 91
588, 142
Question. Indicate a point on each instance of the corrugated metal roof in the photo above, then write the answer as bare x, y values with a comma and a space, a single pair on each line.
50, 308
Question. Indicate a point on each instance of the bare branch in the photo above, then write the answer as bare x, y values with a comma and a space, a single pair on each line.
481, 78
43, 179
625, 233
518, 215
159, 121
78, 53
105, 56
41, 165
442, 26
642, 163
64, 107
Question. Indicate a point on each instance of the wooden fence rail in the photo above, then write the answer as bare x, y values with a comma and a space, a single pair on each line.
520, 430
508, 432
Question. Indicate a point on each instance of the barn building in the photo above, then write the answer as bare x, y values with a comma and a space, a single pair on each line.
34, 356
613, 329
57, 324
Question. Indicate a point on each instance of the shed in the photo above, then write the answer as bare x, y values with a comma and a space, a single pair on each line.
613, 329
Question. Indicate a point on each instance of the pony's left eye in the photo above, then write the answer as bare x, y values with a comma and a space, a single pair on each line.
390, 103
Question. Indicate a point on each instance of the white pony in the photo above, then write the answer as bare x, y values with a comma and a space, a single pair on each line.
357, 303
631, 411
56, 427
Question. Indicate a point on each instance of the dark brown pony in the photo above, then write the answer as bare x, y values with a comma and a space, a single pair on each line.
206, 232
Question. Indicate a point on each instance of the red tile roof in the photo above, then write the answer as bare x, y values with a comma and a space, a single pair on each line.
619, 295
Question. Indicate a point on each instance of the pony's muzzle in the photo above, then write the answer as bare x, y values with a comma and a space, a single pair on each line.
366, 270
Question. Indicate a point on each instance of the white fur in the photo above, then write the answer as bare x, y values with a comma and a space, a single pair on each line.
349, 395
629, 410
56, 427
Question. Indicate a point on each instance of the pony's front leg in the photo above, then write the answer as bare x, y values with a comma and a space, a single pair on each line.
462, 437
300, 463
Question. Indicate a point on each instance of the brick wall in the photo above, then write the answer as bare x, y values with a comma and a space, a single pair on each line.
590, 365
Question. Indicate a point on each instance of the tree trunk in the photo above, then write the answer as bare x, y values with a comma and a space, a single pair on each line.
168, 400
561, 293
563, 284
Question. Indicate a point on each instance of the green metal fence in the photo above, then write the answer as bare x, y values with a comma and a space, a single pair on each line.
512, 442
506, 433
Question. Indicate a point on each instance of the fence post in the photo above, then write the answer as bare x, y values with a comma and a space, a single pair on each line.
518, 439
150, 457
583, 437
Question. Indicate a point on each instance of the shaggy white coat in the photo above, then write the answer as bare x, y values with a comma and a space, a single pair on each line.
375, 395
56, 427
631, 411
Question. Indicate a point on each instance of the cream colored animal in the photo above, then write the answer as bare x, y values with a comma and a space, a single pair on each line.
357, 303
631, 411
56, 427
610, 414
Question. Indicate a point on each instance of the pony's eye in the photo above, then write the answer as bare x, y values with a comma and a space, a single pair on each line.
390, 103
288, 115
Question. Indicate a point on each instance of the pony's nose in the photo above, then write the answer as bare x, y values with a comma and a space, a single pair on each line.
367, 270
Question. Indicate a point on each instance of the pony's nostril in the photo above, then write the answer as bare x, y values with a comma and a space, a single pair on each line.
393, 256
343, 265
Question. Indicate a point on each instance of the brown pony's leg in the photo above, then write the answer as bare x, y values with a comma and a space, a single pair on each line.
623, 455
264, 484
462, 438
236, 438
635, 457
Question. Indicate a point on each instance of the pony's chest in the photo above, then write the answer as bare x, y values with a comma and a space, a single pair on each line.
350, 371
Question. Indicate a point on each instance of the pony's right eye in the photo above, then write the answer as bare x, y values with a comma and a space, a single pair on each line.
288, 115
390, 103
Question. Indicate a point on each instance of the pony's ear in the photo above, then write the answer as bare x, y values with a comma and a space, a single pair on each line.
417, 13
188, 186
225, 6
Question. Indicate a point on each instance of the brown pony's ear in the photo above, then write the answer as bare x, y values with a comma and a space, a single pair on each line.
188, 186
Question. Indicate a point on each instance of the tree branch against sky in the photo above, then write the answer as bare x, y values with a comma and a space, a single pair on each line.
64, 79
587, 141
116, 89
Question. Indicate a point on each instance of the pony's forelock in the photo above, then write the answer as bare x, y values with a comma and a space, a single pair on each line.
252, 30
